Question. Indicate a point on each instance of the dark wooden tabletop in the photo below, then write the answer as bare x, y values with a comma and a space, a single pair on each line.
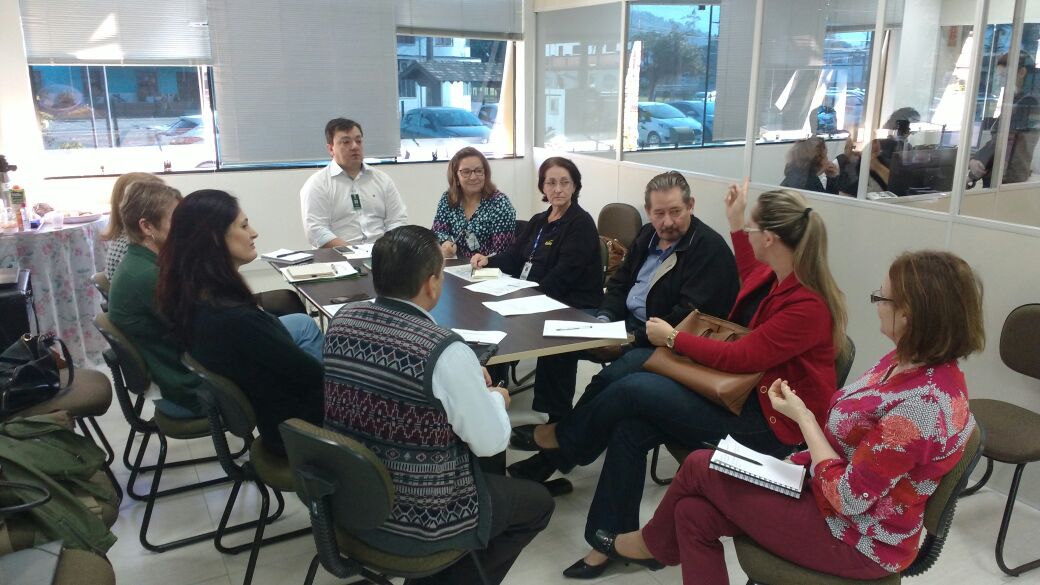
459, 308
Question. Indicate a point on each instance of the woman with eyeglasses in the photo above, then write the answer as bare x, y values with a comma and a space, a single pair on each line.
797, 317
560, 250
876, 456
473, 216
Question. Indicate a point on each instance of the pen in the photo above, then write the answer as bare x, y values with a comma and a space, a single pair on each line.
730, 453
573, 328
284, 255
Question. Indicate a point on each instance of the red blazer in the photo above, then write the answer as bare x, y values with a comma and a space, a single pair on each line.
790, 338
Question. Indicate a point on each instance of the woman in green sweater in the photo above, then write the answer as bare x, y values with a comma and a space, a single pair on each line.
215, 316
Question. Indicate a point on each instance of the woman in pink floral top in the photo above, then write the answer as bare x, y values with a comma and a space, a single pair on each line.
889, 438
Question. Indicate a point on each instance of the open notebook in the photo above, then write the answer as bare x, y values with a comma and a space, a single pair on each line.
777, 475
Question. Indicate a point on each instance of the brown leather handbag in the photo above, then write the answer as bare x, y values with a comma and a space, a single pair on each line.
726, 389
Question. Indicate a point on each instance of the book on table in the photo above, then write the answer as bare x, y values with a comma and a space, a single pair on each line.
319, 270
286, 256
757, 468
486, 273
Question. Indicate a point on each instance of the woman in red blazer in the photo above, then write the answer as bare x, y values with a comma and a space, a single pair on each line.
797, 319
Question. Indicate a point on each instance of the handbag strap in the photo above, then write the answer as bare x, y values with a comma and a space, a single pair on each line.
44, 496
46, 341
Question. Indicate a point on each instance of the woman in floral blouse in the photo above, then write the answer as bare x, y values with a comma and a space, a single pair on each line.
888, 439
473, 215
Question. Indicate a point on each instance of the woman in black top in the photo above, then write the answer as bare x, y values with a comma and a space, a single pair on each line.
216, 317
559, 247
560, 250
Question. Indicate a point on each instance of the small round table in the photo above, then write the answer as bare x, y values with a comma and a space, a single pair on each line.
61, 262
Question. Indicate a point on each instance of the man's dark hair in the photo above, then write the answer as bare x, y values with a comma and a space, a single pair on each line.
340, 125
403, 259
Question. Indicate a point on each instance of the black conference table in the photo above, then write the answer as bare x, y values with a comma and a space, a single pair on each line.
459, 308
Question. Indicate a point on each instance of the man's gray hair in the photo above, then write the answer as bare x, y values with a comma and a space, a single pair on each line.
666, 182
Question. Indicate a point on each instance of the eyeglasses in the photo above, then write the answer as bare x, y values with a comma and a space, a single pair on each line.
750, 230
552, 183
875, 297
467, 173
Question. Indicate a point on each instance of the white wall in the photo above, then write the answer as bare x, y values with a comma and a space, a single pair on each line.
271, 198
864, 239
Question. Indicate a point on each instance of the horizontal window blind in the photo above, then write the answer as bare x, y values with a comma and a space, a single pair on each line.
104, 32
492, 19
281, 72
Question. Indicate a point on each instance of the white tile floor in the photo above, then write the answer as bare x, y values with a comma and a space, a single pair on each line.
967, 558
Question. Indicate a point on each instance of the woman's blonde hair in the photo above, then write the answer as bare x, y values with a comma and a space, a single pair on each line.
786, 214
115, 221
147, 200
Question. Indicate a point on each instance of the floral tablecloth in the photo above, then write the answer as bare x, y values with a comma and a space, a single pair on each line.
61, 263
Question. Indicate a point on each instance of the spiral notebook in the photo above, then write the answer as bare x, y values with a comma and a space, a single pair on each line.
769, 472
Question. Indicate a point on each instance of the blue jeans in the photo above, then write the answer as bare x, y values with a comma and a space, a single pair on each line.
630, 417
305, 333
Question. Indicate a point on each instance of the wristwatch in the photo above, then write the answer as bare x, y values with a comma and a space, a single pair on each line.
670, 342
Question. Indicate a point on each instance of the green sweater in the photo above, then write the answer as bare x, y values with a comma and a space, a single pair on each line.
132, 308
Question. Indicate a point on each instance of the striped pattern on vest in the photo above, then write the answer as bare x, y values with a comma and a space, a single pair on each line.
378, 390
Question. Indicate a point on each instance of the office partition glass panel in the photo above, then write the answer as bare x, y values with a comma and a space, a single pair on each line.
812, 91
577, 81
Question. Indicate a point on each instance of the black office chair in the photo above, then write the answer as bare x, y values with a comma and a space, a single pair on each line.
762, 567
229, 411
130, 376
346, 488
842, 366
1012, 432
621, 221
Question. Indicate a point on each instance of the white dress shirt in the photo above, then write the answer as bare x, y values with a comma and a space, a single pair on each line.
476, 414
329, 213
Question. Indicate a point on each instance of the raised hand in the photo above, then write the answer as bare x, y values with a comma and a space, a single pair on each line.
736, 205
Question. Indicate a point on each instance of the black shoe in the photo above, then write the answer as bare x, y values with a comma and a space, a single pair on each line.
559, 486
522, 438
535, 468
583, 570
603, 541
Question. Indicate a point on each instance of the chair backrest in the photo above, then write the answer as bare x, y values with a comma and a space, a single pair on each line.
280, 302
101, 283
327, 464
1020, 340
938, 512
621, 221
226, 397
843, 362
520, 225
604, 257
135, 373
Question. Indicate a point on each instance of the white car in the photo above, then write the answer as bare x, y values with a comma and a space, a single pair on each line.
664, 124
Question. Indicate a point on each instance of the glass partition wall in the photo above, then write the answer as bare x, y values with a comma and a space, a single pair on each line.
934, 105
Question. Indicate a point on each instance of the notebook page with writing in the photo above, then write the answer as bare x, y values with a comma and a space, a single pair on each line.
774, 474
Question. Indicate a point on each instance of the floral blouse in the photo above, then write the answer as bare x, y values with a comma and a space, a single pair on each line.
896, 439
492, 224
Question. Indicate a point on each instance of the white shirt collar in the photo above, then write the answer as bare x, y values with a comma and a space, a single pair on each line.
407, 302
335, 169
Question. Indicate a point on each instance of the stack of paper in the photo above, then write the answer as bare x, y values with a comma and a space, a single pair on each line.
286, 256
481, 336
318, 271
524, 305
500, 286
486, 273
463, 271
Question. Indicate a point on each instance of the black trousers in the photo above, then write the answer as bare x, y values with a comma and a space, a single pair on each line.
520, 509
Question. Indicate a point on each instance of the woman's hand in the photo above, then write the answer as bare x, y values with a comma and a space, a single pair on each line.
830, 169
658, 330
478, 261
448, 248
786, 402
736, 204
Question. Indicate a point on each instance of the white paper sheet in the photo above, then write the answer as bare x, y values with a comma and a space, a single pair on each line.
463, 271
524, 306
481, 336
500, 286
356, 251
615, 330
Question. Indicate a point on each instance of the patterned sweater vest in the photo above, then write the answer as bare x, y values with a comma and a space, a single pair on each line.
379, 360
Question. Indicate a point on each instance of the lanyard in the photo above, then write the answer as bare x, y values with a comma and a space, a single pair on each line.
537, 239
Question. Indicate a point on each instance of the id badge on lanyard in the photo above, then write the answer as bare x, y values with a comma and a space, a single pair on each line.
530, 259
471, 242
355, 200
527, 270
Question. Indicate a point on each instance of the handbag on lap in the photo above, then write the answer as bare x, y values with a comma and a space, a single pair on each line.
728, 390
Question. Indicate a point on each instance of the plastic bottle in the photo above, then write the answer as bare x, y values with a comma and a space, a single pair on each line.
18, 205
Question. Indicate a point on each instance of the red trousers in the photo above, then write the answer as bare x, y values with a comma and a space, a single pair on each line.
703, 505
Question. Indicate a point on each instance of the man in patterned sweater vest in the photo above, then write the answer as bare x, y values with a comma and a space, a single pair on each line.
415, 394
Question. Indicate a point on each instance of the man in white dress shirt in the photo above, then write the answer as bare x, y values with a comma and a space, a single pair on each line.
349, 202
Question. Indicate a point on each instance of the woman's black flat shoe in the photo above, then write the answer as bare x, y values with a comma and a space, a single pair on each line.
603, 541
583, 570
535, 468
